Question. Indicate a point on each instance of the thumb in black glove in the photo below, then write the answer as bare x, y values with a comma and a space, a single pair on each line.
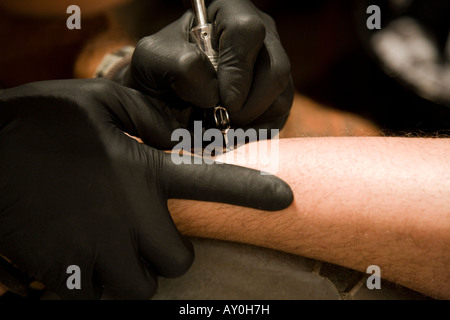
75, 190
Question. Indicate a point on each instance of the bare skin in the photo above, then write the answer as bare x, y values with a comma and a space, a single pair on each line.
358, 202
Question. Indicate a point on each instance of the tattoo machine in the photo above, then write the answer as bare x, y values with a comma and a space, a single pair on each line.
203, 35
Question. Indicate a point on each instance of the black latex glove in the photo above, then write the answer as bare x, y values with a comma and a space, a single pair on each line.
75, 190
253, 78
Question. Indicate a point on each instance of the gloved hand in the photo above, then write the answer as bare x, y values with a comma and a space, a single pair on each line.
253, 78
76, 190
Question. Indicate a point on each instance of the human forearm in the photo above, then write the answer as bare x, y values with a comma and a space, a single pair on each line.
358, 202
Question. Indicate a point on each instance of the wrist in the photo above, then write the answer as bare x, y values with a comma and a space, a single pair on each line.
114, 64
97, 60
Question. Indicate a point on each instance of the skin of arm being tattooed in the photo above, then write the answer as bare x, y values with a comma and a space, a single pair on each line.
357, 202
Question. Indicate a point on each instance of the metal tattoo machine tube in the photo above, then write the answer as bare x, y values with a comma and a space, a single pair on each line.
203, 35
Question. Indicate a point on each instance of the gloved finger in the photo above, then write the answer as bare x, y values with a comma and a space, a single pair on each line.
89, 290
131, 111
74, 281
137, 114
271, 76
198, 180
123, 274
173, 254
279, 109
165, 250
241, 33
167, 61
111, 269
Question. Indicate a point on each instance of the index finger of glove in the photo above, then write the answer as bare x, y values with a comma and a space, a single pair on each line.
197, 180
241, 33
